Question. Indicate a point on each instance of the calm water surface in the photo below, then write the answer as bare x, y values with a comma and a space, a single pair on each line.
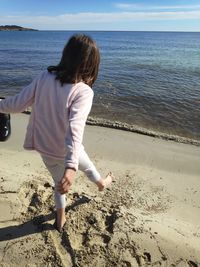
148, 79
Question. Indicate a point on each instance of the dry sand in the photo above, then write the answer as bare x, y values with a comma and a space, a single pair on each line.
150, 216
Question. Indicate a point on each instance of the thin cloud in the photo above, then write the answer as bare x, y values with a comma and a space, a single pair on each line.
95, 20
128, 6
125, 6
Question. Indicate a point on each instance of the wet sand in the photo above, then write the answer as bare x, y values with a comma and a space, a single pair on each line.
148, 217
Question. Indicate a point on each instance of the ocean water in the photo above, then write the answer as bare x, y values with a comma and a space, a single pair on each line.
146, 79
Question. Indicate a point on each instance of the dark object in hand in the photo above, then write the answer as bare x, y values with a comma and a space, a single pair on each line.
5, 127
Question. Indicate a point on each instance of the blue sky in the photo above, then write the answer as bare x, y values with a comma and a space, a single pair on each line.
141, 15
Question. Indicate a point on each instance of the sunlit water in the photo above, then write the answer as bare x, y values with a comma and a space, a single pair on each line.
148, 79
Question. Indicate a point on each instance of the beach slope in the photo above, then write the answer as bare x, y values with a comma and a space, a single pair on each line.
148, 217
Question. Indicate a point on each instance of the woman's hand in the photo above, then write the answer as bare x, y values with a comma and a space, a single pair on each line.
66, 182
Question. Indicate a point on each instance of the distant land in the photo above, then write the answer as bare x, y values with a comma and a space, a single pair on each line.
15, 28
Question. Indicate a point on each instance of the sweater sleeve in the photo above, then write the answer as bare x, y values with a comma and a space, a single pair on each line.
20, 101
78, 113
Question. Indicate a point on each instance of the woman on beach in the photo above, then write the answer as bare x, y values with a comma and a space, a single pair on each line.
61, 99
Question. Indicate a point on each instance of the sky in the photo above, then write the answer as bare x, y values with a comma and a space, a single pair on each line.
127, 15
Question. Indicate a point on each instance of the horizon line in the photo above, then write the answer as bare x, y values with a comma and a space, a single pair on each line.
122, 30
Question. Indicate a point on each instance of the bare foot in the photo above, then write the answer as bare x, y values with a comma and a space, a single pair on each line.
103, 183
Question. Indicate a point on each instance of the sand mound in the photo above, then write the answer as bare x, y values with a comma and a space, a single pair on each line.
103, 229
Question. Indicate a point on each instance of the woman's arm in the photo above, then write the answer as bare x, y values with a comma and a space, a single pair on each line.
21, 101
78, 113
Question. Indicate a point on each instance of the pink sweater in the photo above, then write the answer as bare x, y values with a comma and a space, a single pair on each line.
58, 116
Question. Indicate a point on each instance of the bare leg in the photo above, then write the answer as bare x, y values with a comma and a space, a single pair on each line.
56, 168
60, 219
86, 166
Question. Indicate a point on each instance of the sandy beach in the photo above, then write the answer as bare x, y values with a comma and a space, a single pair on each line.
150, 216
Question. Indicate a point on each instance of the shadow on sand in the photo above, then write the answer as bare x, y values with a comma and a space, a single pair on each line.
38, 224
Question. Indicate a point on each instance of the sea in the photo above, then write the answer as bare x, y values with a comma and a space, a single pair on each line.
147, 80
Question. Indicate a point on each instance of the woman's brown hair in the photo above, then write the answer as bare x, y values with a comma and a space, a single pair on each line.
79, 62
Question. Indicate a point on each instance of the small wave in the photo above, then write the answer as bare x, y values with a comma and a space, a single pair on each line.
135, 129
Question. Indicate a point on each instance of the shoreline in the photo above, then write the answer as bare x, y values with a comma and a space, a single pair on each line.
136, 129
140, 130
